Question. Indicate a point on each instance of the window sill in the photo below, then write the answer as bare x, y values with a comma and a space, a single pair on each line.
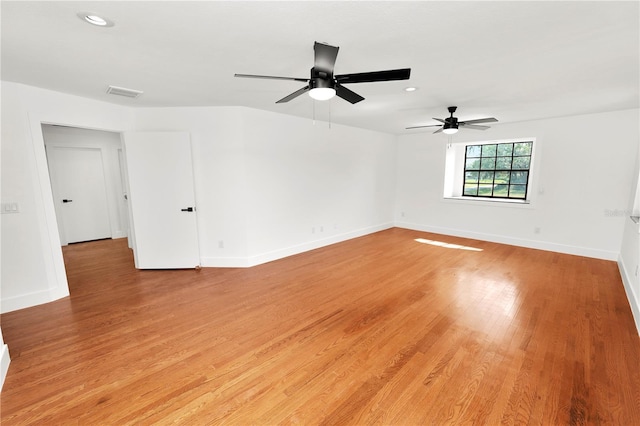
497, 202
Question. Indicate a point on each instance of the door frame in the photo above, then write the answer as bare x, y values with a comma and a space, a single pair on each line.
58, 286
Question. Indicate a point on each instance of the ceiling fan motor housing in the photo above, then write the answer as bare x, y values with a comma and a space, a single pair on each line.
450, 123
321, 80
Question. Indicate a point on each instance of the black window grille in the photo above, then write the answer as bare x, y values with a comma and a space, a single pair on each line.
497, 170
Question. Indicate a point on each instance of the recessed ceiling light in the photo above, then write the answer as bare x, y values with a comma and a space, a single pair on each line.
410, 89
94, 19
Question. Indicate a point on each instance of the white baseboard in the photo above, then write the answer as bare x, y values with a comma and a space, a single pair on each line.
4, 363
26, 301
520, 242
631, 296
245, 262
312, 245
224, 262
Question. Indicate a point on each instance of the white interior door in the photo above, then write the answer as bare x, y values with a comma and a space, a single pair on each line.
79, 190
162, 200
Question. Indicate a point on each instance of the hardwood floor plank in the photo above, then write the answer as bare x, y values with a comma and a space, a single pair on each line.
383, 329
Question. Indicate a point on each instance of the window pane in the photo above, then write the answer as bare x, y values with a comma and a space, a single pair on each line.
503, 163
519, 177
505, 149
473, 150
489, 150
470, 189
488, 163
486, 177
522, 148
501, 191
485, 190
472, 164
471, 177
517, 191
502, 177
521, 162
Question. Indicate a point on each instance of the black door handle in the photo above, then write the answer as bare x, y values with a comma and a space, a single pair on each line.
188, 209
66, 201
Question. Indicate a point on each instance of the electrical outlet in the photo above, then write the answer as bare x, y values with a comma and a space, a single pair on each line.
536, 230
221, 244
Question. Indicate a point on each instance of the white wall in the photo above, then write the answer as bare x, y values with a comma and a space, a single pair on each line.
583, 173
313, 184
269, 185
5, 359
110, 145
629, 259
32, 269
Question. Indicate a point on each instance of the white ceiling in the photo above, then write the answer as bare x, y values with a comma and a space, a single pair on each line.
512, 60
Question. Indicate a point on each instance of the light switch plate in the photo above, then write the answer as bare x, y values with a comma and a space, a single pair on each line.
8, 208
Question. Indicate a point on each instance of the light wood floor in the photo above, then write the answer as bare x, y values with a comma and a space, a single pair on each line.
377, 330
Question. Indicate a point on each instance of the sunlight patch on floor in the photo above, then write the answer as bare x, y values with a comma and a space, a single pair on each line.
446, 245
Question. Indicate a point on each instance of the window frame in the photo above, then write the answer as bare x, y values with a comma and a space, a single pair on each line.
454, 175
494, 170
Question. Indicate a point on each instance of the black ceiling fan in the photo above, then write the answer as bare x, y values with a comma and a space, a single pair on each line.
323, 84
450, 124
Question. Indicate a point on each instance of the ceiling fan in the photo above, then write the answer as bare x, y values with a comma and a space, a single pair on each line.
323, 84
450, 124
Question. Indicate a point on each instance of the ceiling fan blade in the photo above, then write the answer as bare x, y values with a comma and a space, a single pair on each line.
420, 127
440, 120
348, 95
473, 126
270, 77
293, 95
479, 120
369, 77
439, 130
325, 57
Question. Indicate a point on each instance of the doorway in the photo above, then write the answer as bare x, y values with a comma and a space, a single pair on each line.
86, 183
53, 267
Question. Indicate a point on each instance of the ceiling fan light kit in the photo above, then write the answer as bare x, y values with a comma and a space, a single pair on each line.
449, 129
322, 93
323, 84
321, 89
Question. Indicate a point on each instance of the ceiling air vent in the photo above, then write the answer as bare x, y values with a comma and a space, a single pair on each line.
121, 91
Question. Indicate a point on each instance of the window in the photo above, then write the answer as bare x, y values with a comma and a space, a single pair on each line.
498, 170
